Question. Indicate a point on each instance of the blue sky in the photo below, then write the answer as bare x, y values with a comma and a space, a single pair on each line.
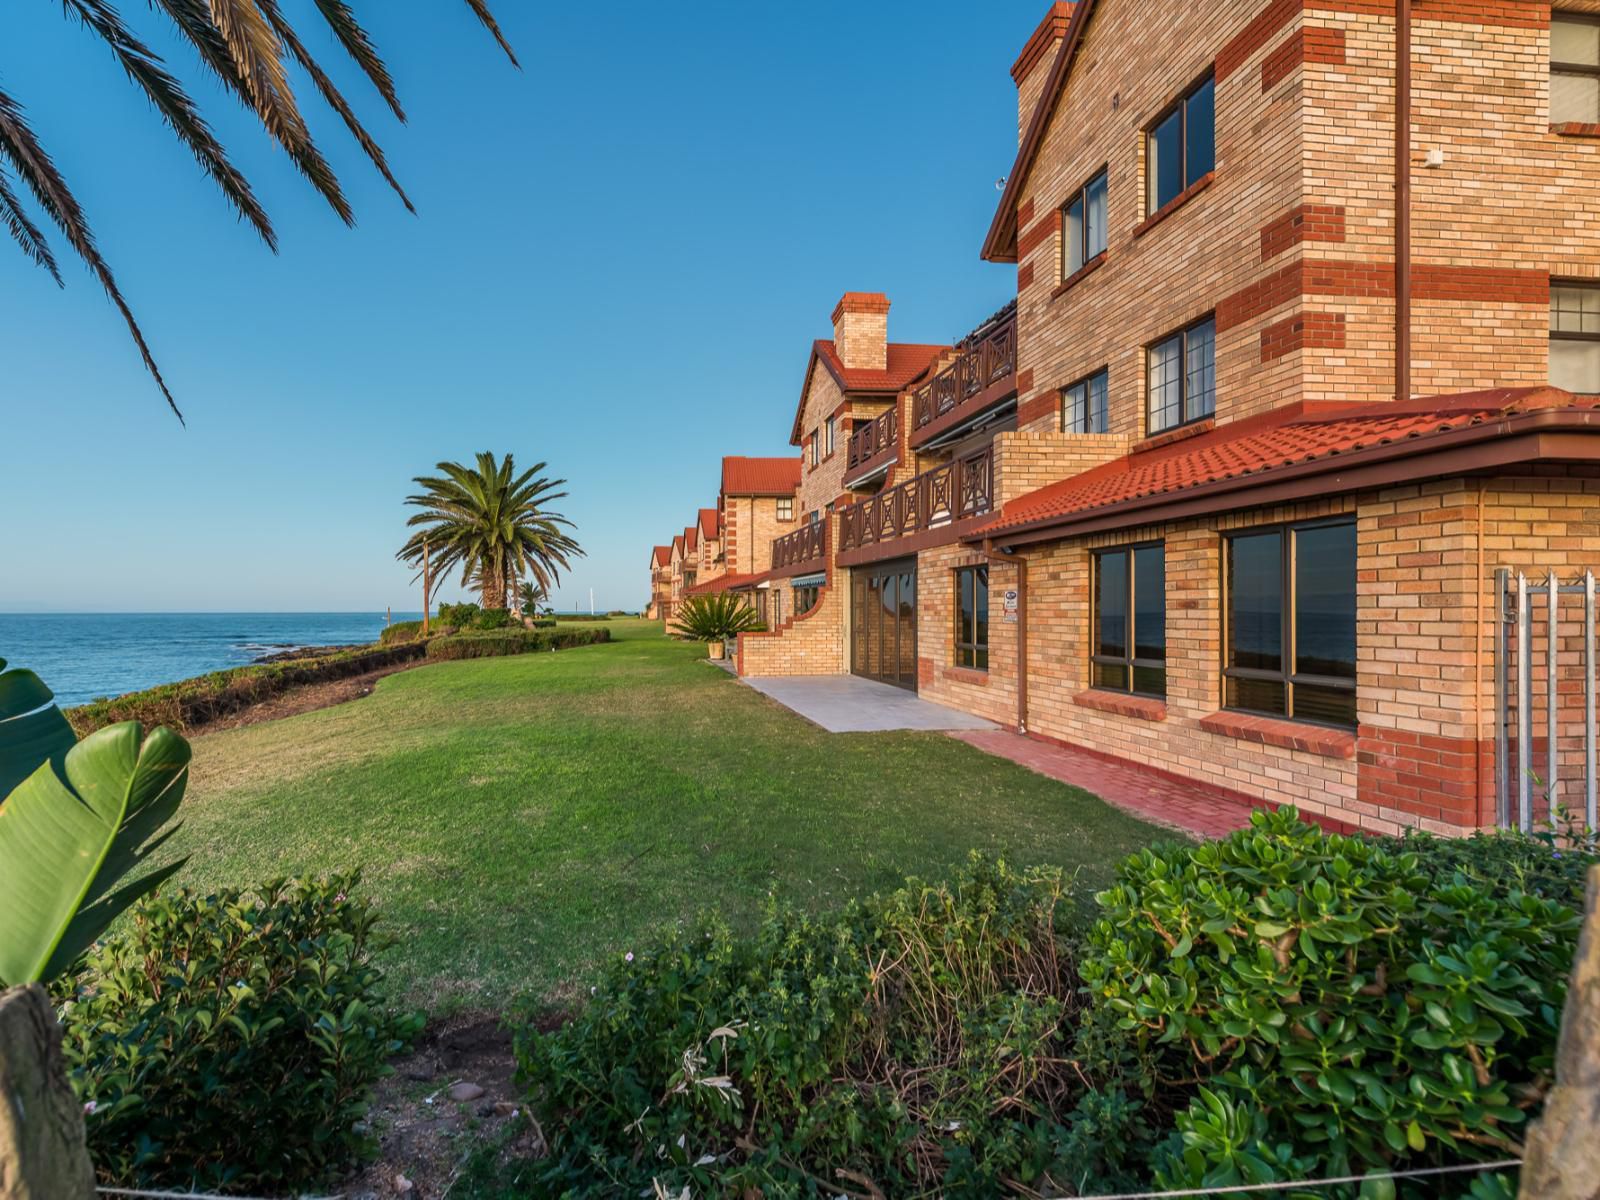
622, 255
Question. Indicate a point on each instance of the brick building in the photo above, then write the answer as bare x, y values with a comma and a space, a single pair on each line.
1306, 346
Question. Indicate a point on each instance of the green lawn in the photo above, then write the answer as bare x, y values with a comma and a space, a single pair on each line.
522, 819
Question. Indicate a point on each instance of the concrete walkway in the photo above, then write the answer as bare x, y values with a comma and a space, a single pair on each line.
1191, 807
850, 704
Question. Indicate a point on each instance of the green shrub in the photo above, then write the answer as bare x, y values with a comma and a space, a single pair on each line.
497, 643
459, 616
194, 702
405, 631
915, 1040
1345, 1005
230, 1040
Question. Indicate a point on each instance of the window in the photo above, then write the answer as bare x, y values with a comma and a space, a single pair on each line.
832, 423
1574, 68
814, 445
1130, 620
785, 508
972, 618
1181, 377
1083, 226
1083, 405
805, 599
1181, 146
1575, 337
1290, 643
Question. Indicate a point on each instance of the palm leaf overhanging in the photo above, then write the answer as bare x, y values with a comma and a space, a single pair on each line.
249, 46
493, 524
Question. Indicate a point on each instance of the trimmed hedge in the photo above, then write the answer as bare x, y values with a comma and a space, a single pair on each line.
192, 702
498, 643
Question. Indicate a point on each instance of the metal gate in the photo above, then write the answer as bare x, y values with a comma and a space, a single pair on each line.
1544, 676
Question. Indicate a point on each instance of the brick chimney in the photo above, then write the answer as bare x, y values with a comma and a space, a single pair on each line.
861, 330
1033, 64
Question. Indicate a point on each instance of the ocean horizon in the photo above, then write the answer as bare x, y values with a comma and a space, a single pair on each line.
84, 656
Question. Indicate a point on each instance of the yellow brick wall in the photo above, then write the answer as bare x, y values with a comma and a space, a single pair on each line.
992, 693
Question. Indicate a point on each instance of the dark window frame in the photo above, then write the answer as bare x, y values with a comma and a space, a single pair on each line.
1585, 70
816, 443
782, 501
1185, 416
1088, 412
832, 428
1179, 104
1591, 285
972, 655
1080, 195
1131, 660
1289, 655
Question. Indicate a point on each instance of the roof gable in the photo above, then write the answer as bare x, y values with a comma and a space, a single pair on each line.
743, 476
907, 361
710, 524
1001, 243
661, 556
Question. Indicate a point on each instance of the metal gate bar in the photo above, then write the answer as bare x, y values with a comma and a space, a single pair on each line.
1514, 605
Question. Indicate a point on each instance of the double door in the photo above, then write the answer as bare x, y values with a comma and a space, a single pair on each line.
883, 625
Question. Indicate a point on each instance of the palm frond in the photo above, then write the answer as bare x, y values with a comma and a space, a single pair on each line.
279, 113
480, 9
145, 68
28, 235
359, 46
332, 95
33, 166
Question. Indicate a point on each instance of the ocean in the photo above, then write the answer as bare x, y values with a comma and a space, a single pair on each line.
84, 656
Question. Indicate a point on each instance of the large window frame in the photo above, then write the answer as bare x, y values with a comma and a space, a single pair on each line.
1130, 662
1186, 117
1195, 358
1086, 404
972, 635
1084, 224
1579, 323
1578, 70
785, 508
1288, 675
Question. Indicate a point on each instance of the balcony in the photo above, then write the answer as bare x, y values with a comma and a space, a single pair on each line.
872, 446
954, 492
806, 549
981, 379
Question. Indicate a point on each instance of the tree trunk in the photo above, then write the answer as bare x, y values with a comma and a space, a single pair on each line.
42, 1153
1561, 1160
494, 591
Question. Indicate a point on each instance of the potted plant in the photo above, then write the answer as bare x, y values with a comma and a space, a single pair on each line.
714, 620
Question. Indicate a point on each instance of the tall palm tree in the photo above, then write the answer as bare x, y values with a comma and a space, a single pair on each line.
248, 45
494, 524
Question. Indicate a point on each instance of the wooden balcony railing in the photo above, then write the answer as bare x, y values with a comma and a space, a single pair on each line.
983, 375
952, 492
873, 444
805, 547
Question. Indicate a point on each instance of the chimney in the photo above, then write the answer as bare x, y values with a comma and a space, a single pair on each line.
1033, 64
861, 330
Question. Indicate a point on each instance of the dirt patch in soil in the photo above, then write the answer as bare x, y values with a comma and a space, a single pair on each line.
305, 698
425, 1134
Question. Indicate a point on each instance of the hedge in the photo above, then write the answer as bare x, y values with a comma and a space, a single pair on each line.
498, 643
192, 702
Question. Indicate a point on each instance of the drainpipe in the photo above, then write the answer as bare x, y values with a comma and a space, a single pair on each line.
1022, 643
1402, 200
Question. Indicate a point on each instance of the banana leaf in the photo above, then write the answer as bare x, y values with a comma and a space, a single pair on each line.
71, 832
32, 729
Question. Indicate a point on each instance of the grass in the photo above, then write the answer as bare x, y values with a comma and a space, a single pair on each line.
521, 820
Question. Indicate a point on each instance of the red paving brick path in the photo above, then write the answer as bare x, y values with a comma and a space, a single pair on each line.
1195, 808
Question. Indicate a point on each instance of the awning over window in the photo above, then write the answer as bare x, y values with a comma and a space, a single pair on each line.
805, 581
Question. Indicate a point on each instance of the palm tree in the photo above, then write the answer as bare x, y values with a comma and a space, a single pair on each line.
531, 596
248, 46
493, 524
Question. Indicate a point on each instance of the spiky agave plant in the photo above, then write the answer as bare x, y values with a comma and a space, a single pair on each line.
495, 525
716, 618
248, 45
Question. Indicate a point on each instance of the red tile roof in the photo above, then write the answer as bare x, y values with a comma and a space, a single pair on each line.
691, 539
662, 556
727, 583
677, 546
743, 476
710, 524
905, 362
1290, 438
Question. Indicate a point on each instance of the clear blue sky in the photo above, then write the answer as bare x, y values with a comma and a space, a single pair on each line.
622, 255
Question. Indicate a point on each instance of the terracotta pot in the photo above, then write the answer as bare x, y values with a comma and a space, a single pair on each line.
716, 650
